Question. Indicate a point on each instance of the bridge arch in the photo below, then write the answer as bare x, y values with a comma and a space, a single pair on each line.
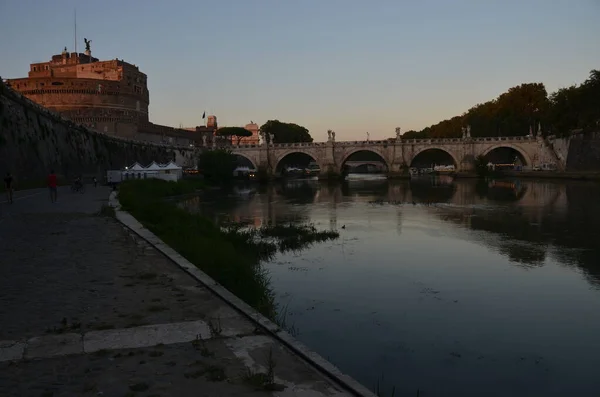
243, 157
306, 153
524, 155
434, 148
352, 152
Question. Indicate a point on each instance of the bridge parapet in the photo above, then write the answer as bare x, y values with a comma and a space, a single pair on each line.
363, 143
505, 139
299, 144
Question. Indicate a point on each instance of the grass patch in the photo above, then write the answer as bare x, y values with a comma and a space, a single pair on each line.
262, 380
295, 237
230, 254
231, 257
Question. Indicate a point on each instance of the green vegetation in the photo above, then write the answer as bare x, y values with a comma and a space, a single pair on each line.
229, 132
525, 106
231, 254
232, 259
286, 132
295, 237
217, 166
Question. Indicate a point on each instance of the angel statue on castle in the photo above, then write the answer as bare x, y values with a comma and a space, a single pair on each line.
87, 44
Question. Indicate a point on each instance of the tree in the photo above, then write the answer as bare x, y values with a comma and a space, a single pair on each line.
228, 132
526, 106
286, 132
217, 166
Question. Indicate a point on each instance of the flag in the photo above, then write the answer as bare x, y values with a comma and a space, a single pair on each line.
204, 115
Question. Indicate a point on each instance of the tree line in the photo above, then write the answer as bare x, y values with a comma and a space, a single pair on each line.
523, 109
281, 132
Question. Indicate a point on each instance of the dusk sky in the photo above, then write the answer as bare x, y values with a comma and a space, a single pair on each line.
347, 65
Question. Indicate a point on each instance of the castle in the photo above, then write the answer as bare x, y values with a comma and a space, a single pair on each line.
110, 97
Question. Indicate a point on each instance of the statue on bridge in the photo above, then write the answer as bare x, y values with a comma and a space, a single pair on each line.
466, 132
539, 131
398, 135
263, 139
271, 138
330, 136
203, 140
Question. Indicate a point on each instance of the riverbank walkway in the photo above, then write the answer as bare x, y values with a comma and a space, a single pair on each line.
87, 308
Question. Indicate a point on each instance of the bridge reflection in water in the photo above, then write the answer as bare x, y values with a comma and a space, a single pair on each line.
548, 214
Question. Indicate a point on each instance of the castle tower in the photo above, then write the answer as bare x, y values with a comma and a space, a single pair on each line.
211, 122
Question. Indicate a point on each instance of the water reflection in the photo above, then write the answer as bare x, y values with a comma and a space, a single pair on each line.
547, 216
462, 288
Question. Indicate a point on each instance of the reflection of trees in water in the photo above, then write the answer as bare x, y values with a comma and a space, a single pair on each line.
526, 222
377, 188
501, 190
298, 191
526, 234
428, 191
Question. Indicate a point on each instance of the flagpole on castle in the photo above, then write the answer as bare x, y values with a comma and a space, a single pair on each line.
75, 25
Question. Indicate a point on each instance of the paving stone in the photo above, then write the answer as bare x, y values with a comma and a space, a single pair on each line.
11, 350
54, 345
67, 272
149, 335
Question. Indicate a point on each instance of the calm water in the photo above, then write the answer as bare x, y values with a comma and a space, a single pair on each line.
456, 289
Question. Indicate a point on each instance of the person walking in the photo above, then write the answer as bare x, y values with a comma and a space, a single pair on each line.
52, 186
8, 184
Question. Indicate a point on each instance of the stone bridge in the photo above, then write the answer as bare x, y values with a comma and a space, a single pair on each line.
399, 153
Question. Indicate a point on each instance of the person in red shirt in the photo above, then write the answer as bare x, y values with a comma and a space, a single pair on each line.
52, 186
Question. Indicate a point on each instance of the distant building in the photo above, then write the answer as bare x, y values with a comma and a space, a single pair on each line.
111, 97
211, 127
254, 139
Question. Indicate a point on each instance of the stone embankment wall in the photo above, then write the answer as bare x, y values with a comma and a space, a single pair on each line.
584, 152
34, 140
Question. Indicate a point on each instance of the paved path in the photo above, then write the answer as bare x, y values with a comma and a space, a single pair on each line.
87, 309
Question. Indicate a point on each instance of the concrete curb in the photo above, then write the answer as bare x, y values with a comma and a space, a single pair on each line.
311, 357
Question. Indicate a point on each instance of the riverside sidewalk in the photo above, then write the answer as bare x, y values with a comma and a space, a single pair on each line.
88, 308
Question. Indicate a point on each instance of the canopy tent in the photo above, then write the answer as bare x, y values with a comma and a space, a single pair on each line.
136, 167
171, 166
154, 167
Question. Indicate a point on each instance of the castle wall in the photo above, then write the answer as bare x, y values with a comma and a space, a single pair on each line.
34, 140
584, 152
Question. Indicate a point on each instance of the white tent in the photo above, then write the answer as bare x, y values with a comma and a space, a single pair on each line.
154, 167
136, 167
171, 166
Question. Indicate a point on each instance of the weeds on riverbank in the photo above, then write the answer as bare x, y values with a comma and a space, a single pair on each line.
294, 237
228, 257
230, 254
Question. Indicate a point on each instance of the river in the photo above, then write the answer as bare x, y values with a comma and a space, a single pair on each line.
453, 288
